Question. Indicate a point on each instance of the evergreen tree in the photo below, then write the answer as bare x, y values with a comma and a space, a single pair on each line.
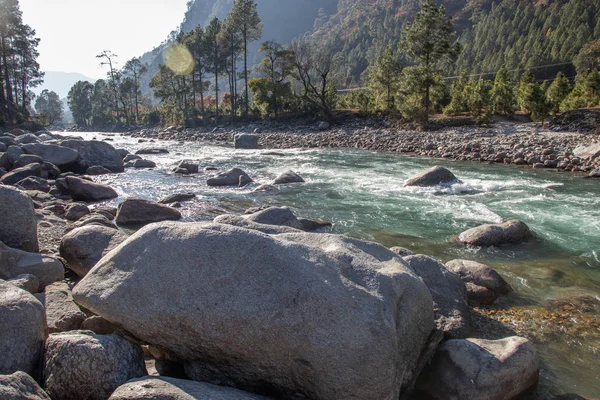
134, 69
430, 42
531, 98
384, 77
197, 44
479, 99
458, 103
80, 103
49, 107
558, 91
503, 95
232, 41
247, 20
524, 90
215, 54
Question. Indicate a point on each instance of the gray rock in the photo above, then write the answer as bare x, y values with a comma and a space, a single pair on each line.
20, 386
95, 219
131, 157
15, 262
228, 178
246, 141
178, 197
29, 283
323, 125
10, 156
595, 173
27, 138
256, 310
135, 211
22, 331
62, 314
138, 164
478, 369
266, 189
510, 232
34, 183
281, 216
122, 153
76, 211
152, 151
432, 177
288, 177
83, 247
18, 222
452, 314
163, 388
98, 325
97, 170
104, 362
58, 155
239, 221
311, 225
588, 152
2, 147
401, 251
96, 153
484, 284
84, 190
19, 174
26, 159
192, 167
50, 171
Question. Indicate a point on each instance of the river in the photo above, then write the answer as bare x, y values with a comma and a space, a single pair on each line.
362, 193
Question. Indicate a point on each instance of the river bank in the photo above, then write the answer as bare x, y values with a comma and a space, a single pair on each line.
509, 143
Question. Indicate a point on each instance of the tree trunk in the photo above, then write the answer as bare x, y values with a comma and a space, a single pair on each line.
245, 32
7, 85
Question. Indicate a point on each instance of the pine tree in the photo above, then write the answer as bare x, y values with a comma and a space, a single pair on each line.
430, 42
49, 107
215, 55
479, 99
458, 103
503, 95
558, 91
232, 41
384, 77
134, 69
197, 44
80, 102
247, 20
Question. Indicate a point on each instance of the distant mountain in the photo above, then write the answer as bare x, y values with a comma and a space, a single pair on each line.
61, 82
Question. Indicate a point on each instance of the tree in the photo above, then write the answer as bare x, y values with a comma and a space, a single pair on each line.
479, 99
114, 79
232, 41
215, 54
503, 95
245, 15
531, 98
197, 44
49, 107
558, 91
588, 57
80, 103
313, 66
430, 41
384, 77
102, 104
458, 102
277, 66
524, 90
134, 69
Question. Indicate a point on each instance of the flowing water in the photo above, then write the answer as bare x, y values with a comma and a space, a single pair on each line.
362, 193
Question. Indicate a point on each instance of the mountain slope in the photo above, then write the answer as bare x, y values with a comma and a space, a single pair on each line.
61, 82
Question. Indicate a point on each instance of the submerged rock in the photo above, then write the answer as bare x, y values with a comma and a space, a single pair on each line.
451, 310
97, 170
239, 221
164, 388
510, 232
20, 386
18, 222
233, 177
135, 211
484, 284
478, 369
256, 310
432, 177
22, 330
177, 198
288, 177
281, 216
152, 151
103, 363
401, 251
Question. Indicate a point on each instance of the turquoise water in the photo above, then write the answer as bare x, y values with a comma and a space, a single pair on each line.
362, 193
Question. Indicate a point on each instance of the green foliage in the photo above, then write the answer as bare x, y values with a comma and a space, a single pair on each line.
503, 94
49, 107
479, 99
588, 58
80, 103
384, 79
586, 92
274, 91
558, 91
430, 42
413, 83
532, 99
458, 103
357, 100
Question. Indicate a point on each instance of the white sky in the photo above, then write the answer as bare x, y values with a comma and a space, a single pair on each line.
73, 32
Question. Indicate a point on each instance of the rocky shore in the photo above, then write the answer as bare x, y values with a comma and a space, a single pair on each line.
254, 306
509, 143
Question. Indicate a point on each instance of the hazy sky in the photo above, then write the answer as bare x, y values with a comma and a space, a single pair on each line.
73, 32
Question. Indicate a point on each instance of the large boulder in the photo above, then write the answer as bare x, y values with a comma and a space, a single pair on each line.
452, 314
484, 284
20, 386
18, 222
233, 177
22, 330
29, 283
164, 388
246, 141
83, 365
432, 177
15, 262
96, 153
26, 159
588, 152
288, 177
268, 313
84, 190
10, 156
62, 314
509, 232
135, 211
34, 183
19, 174
192, 167
240, 221
478, 369
58, 155
83, 247
281, 216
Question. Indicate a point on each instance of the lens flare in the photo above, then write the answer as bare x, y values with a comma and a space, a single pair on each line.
179, 59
